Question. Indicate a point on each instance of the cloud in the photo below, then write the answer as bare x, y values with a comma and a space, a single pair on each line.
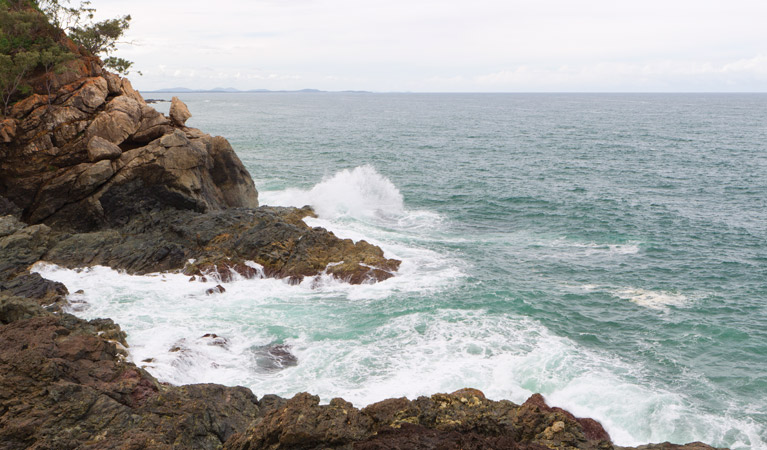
463, 45
742, 74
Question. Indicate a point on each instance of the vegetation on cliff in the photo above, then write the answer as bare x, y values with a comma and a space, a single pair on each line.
33, 48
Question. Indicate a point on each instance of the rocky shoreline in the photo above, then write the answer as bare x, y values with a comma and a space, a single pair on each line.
90, 174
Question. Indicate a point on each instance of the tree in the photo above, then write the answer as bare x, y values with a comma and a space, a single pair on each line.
13, 70
99, 38
31, 42
25, 38
52, 60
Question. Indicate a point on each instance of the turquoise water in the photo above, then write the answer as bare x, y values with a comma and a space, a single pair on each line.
608, 251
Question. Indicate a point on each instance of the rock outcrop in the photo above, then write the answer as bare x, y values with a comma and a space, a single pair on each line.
95, 141
65, 384
107, 179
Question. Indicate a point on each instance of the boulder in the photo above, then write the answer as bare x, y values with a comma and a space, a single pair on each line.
7, 130
179, 113
114, 83
90, 95
99, 149
120, 119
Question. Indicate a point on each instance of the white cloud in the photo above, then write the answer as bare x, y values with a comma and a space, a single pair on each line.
462, 45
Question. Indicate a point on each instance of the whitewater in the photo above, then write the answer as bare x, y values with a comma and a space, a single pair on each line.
607, 251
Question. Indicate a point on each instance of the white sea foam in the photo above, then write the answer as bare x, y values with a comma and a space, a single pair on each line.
593, 248
361, 192
370, 342
361, 350
659, 300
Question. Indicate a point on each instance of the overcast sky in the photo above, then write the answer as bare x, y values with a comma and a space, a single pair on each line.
448, 45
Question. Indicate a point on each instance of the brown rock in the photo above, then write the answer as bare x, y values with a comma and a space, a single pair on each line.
153, 125
175, 139
114, 83
27, 105
127, 89
94, 176
64, 384
179, 113
99, 148
120, 119
7, 130
230, 176
217, 289
91, 94
303, 423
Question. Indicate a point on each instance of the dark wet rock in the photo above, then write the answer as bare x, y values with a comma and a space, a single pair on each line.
464, 419
214, 339
217, 289
415, 437
64, 384
303, 423
34, 286
274, 357
670, 446
222, 243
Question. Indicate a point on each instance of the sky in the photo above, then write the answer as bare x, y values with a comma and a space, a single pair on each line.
447, 45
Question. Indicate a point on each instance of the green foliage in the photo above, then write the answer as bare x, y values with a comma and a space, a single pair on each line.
30, 42
66, 17
119, 65
27, 43
99, 38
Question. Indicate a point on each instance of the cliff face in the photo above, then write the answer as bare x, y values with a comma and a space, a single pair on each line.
93, 154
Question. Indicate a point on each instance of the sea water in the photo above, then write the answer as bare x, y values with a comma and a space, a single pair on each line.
608, 251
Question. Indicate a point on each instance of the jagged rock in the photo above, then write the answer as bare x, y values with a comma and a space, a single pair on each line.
25, 106
114, 83
153, 125
91, 93
217, 289
7, 130
50, 294
222, 243
303, 423
126, 88
64, 384
23, 248
670, 446
10, 224
99, 149
274, 357
120, 119
463, 419
179, 113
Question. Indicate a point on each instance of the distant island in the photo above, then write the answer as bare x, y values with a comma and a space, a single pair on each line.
229, 90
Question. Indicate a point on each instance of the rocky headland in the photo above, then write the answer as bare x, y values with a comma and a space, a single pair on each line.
90, 174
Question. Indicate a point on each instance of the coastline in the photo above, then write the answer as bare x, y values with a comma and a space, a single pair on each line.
135, 190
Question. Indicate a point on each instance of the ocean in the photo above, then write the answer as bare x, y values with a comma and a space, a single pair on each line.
606, 250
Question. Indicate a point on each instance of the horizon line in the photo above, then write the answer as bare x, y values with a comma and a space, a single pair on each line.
362, 91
